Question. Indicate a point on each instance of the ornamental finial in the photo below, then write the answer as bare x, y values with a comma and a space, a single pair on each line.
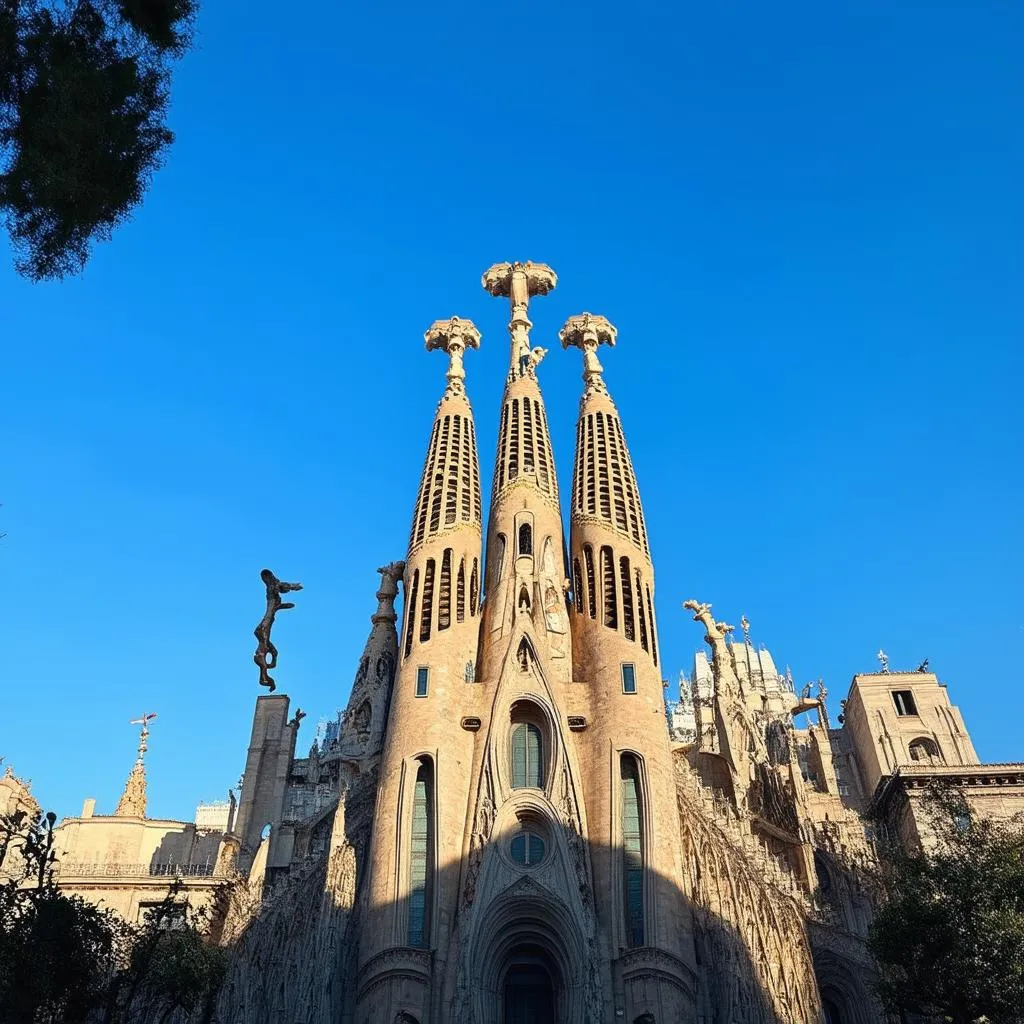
453, 336
585, 332
520, 282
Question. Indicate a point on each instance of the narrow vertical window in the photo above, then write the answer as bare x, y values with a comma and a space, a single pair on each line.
577, 584
422, 680
410, 613
460, 592
641, 614
444, 597
628, 678
611, 614
650, 619
628, 622
473, 584
428, 600
632, 850
527, 753
588, 559
421, 842
525, 540
499, 554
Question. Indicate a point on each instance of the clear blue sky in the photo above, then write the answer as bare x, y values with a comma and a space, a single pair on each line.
805, 219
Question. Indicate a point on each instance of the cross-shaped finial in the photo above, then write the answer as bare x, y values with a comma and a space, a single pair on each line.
144, 734
453, 336
884, 659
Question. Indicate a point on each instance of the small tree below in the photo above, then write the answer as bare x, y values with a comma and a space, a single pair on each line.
948, 933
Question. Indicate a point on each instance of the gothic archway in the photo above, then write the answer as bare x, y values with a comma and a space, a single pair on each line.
529, 987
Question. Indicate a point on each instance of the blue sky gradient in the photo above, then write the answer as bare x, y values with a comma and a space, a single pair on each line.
805, 220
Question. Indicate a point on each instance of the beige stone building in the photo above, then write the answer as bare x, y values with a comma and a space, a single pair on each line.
508, 823
127, 861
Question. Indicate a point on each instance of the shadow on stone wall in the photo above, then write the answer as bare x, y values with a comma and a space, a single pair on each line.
539, 939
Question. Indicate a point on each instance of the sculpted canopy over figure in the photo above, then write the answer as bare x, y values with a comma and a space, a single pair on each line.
266, 653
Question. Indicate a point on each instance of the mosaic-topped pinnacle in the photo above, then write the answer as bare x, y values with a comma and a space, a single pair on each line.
520, 282
585, 332
453, 336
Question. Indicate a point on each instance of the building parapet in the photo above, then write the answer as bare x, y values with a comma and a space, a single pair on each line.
122, 869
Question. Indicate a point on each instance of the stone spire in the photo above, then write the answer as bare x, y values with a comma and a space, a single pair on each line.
520, 282
365, 717
613, 578
449, 491
133, 800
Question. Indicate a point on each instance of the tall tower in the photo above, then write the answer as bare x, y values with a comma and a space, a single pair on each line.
519, 869
424, 778
615, 656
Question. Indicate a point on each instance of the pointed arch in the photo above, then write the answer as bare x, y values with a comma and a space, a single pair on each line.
421, 856
641, 614
473, 589
577, 588
460, 591
633, 858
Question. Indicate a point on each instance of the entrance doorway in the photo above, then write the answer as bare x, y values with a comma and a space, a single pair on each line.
529, 991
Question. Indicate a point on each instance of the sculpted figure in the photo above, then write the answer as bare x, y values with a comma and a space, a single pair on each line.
533, 359
266, 653
716, 634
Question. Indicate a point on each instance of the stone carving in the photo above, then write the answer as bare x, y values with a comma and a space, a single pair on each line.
133, 799
534, 358
453, 336
266, 653
884, 659
585, 332
519, 282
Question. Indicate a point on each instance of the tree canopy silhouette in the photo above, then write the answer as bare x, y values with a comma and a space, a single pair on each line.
65, 961
949, 931
84, 89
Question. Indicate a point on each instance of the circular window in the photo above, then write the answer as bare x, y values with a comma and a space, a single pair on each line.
527, 848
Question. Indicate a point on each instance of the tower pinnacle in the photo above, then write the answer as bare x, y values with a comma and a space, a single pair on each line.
585, 332
520, 282
453, 336
133, 800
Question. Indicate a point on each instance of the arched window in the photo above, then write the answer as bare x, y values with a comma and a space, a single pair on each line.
632, 850
410, 613
926, 750
588, 560
628, 622
444, 597
527, 756
527, 847
525, 539
473, 585
611, 614
421, 868
579, 597
427, 605
460, 592
499, 554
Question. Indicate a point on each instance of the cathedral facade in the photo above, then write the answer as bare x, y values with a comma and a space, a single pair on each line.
507, 824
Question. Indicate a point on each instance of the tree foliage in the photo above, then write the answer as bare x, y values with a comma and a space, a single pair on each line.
84, 88
65, 961
948, 934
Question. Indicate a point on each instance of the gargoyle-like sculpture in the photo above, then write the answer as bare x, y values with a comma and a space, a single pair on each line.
534, 358
266, 653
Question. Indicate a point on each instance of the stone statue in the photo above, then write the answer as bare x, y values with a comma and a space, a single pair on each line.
884, 659
822, 691
534, 358
805, 693
266, 653
923, 667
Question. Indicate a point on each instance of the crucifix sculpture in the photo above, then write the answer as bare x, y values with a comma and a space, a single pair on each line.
266, 653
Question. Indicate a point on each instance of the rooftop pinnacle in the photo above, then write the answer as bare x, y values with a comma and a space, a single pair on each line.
133, 800
520, 282
453, 336
586, 331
